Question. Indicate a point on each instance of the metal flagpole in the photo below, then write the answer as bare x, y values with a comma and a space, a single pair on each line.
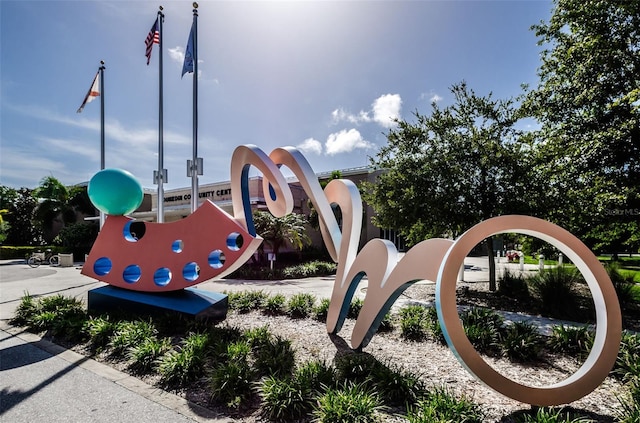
102, 216
196, 164
161, 175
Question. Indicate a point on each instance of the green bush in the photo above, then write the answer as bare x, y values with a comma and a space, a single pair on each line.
555, 288
300, 305
433, 326
231, 383
246, 301
413, 322
352, 403
276, 358
177, 368
285, 399
628, 362
354, 308
100, 329
513, 285
439, 405
144, 356
625, 286
629, 411
128, 334
275, 304
521, 342
482, 326
549, 415
321, 310
57, 314
576, 341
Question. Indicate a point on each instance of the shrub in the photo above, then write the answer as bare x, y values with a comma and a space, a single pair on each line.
439, 405
433, 325
482, 326
275, 358
300, 305
25, 311
413, 323
352, 403
355, 367
628, 362
275, 304
549, 415
630, 403
521, 342
100, 330
315, 375
258, 337
555, 289
246, 301
231, 383
285, 399
128, 334
575, 341
513, 285
144, 356
628, 293
321, 310
395, 386
354, 308
176, 368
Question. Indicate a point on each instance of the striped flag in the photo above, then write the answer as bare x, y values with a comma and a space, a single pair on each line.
152, 38
94, 92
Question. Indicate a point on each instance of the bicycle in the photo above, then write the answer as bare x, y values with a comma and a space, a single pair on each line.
38, 258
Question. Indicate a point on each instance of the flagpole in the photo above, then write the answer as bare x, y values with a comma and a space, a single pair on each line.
196, 164
162, 174
102, 161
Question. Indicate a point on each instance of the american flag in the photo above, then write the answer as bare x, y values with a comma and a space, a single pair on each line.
152, 38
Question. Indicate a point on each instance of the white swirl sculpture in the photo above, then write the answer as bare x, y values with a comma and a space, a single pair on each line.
433, 259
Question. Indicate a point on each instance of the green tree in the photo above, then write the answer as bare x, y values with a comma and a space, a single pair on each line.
588, 105
277, 231
452, 169
53, 211
20, 205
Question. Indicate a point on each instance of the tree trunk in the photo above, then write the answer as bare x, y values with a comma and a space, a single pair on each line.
492, 263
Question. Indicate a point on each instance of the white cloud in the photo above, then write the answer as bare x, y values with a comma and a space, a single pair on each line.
345, 142
341, 115
310, 145
433, 97
386, 109
176, 54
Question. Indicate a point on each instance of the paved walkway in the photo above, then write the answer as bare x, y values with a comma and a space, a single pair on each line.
40, 381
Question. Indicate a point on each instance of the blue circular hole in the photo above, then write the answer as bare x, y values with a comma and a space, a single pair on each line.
234, 241
162, 276
191, 271
102, 266
177, 246
133, 230
132, 273
216, 259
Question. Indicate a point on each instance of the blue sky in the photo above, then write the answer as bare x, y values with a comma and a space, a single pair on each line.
325, 76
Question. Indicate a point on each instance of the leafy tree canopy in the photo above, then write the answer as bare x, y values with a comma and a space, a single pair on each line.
453, 168
588, 104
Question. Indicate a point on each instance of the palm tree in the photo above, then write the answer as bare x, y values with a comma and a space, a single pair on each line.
53, 210
277, 231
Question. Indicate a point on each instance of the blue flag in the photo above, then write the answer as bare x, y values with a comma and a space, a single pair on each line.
187, 66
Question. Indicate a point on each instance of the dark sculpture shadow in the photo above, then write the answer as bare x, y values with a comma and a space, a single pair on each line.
574, 413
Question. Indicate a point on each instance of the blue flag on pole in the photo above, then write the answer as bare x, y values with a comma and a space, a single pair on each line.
187, 66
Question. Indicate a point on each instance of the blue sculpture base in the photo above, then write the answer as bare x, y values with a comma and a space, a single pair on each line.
192, 302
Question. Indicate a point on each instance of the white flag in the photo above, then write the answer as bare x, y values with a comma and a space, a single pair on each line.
94, 92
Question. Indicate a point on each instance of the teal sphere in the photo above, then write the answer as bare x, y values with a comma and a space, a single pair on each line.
115, 192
